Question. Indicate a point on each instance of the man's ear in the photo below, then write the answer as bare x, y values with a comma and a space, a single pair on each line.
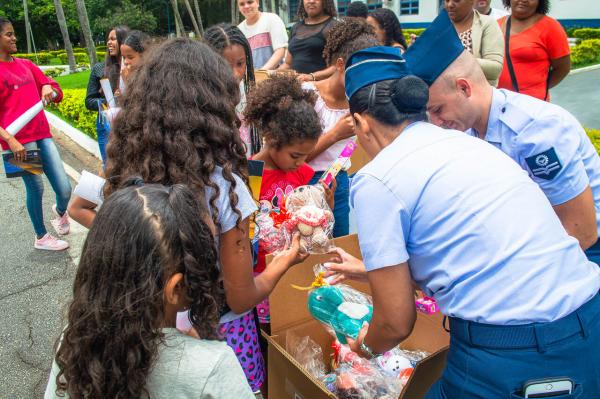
175, 294
464, 87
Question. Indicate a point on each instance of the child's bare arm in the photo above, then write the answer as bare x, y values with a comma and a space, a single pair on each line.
82, 211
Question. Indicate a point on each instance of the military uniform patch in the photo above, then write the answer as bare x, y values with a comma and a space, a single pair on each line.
544, 165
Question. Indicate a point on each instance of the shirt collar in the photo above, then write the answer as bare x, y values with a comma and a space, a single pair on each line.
496, 111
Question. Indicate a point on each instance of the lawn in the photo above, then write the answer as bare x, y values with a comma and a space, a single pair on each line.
77, 80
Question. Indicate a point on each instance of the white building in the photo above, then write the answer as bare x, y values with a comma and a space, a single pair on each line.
419, 13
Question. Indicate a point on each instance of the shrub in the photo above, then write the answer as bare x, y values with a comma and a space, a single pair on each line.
586, 52
54, 72
42, 58
408, 32
72, 108
55, 53
587, 33
594, 135
101, 48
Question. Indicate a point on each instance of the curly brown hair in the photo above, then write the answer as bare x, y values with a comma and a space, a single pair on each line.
178, 123
328, 9
283, 112
142, 236
346, 37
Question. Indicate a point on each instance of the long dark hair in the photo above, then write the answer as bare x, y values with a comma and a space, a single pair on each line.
393, 102
178, 123
222, 36
112, 64
389, 22
328, 9
3, 21
140, 238
137, 40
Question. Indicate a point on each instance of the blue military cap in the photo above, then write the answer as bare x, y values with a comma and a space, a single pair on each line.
373, 64
430, 55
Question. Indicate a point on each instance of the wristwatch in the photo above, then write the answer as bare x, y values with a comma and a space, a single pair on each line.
367, 350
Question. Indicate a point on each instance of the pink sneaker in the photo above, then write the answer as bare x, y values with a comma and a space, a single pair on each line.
50, 243
60, 223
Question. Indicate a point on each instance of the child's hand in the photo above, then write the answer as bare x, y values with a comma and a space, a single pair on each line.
344, 128
292, 255
330, 193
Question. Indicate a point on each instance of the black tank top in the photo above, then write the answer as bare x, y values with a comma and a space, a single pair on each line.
306, 46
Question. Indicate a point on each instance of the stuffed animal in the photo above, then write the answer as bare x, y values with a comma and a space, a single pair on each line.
393, 363
328, 305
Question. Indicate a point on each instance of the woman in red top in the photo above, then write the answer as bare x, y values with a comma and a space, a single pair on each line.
22, 85
539, 49
285, 116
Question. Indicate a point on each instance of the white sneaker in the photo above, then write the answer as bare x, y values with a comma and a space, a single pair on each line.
60, 223
50, 243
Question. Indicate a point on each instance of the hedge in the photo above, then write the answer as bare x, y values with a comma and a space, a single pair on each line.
72, 108
585, 53
408, 32
80, 57
594, 135
586, 33
42, 58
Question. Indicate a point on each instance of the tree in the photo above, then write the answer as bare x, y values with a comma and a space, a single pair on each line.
199, 17
177, 17
27, 26
62, 22
128, 14
87, 32
191, 13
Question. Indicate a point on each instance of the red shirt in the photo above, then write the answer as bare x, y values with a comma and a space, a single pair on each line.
21, 84
275, 184
531, 52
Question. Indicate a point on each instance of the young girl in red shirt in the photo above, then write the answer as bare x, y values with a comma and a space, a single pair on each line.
289, 127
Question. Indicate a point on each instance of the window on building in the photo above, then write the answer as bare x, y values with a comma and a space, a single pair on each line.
409, 7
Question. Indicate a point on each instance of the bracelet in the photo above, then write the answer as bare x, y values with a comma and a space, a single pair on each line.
313, 76
367, 350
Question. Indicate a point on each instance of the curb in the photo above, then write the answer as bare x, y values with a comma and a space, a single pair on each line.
83, 140
585, 69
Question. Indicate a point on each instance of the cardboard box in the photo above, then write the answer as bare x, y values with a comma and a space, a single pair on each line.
358, 160
289, 315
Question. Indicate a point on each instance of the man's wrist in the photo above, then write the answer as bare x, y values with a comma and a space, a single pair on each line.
368, 351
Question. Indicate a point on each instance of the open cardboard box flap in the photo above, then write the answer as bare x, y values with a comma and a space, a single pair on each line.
289, 315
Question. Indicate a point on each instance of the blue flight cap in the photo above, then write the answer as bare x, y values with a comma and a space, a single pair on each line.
371, 65
433, 51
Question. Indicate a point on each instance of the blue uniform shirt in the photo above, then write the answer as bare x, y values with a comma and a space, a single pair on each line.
548, 143
478, 234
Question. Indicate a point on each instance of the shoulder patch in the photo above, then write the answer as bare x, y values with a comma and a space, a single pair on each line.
544, 165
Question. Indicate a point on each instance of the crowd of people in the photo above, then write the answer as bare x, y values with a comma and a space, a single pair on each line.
479, 191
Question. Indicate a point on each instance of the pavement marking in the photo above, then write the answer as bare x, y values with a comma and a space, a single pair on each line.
584, 69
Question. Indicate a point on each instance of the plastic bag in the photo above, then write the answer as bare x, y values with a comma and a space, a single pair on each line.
306, 352
365, 383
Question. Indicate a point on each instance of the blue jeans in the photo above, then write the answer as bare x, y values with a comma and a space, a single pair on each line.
488, 361
341, 209
102, 131
593, 253
34, 184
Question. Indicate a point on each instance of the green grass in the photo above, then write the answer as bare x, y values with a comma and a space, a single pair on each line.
55, 61
77, 80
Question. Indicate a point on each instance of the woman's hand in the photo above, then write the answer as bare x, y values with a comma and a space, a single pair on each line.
354, 344
292, 255
305, 77
344, 128
47, 94
345, 266
17, 149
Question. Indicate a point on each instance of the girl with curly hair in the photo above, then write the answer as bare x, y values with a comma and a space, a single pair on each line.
229, 41
289, 126
387, 28
337, 125
150, 254
179, 126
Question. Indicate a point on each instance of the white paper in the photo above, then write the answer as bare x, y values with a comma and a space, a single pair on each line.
108, 93
19, 123
90, 187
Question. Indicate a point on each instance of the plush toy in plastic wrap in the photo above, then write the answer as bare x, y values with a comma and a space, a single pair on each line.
305, 211
340, 307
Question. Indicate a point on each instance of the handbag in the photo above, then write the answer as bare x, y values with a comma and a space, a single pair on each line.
509, 64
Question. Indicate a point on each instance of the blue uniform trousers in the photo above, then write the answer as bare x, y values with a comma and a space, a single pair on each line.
488, 362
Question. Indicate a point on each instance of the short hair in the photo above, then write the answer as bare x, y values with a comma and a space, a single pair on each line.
357, 9
348, 36
328, 8
389, 22
542, 8
464, 66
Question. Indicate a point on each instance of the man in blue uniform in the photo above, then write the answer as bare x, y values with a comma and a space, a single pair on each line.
470, 227
544, 139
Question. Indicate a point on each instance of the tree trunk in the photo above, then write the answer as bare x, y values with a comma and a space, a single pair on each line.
60, 15
178, 21
87, 32
234, 12
27, 26
199, 17
193, 18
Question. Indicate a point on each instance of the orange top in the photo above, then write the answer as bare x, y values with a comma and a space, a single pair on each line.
531, 52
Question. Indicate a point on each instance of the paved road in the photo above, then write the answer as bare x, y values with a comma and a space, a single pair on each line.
34, 291
580, 94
